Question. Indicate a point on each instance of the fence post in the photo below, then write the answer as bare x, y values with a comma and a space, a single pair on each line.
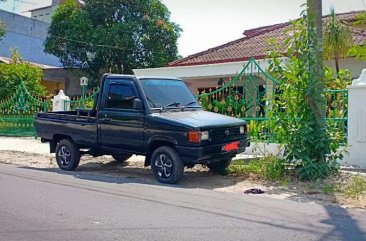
357, 122
61, 102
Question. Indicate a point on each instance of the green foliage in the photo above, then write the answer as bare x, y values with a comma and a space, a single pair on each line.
340, 82
114, 36
298, 115
267, 168
356, 188
337, 39
330, 189
12, 74
360, 18
2, 30
359, 51
312, 170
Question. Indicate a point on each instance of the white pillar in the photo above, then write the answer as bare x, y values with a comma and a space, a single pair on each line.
61, 102
357, 122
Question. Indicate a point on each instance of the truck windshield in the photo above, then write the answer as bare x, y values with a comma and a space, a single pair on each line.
166, 93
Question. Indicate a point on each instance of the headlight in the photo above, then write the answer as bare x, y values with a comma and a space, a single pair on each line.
205, 135
242, 129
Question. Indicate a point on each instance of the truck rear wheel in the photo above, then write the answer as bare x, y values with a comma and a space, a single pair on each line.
121, 157
220, 166
67, 155
167, 165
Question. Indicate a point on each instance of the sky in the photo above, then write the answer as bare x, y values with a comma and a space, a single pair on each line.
210, 23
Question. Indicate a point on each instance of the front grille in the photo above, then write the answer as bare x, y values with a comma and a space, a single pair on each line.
220, 135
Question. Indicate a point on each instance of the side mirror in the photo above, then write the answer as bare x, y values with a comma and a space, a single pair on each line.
137, 104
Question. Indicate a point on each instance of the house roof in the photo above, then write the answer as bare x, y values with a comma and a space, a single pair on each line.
255, 43
42, 66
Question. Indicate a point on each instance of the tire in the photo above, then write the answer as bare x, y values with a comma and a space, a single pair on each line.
166, 165
67, 155
220, 166
121, 157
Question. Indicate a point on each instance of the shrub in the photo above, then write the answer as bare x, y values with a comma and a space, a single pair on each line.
297, 116
12, 74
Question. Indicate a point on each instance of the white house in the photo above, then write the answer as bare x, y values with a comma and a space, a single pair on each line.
203, 70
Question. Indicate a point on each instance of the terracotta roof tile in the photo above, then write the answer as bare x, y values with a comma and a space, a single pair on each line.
255, 43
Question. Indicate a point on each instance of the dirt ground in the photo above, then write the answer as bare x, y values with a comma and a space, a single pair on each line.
28, 152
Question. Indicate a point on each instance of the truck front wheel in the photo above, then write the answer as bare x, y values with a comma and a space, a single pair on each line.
167, 165
67, 155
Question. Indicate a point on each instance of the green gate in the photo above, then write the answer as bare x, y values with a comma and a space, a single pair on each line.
249, 95
246, 96
17, 112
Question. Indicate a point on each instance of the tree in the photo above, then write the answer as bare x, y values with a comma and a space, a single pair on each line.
315, 88
12, 74
293, 116
297, 115
337, 39
114, 36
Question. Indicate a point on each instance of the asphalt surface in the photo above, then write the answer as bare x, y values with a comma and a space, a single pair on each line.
41, 205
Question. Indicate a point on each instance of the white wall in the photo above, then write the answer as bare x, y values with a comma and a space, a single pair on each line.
43, 14
357, 122
28, 36
353, 65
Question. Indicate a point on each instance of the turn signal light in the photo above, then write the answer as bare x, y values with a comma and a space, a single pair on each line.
194, 136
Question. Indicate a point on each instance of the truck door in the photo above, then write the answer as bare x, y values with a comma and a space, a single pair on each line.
120, 125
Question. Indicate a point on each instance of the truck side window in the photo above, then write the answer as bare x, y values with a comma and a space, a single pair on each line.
120, 96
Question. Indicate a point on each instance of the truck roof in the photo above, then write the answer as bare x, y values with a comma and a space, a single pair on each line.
142, 77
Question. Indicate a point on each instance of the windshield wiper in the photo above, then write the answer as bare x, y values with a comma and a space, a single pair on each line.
188, 104
175, 104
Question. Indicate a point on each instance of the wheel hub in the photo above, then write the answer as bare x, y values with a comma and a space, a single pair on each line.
164, 166
64, 155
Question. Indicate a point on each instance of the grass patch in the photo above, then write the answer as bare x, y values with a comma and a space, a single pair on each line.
330, 189
267, 168
355, 188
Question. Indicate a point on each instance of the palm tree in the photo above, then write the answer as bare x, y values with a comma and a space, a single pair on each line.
337, 39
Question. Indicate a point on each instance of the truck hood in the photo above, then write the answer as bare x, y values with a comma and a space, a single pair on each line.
199, 118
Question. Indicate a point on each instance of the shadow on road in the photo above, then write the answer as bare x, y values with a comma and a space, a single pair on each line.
120, 173
344, 226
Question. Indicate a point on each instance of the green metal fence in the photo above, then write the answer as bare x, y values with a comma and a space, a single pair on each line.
82, 102
246, 96
336, 112
18, 111
249, 95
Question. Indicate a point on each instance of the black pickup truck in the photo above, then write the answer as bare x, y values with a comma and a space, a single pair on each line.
151, 116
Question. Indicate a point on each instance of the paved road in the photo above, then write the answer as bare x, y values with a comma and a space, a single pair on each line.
40, 205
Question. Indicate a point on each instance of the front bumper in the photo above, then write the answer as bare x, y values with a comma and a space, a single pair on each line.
208, 154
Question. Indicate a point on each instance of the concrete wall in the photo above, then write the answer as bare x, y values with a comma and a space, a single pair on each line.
43, 14
353, 65
68, 79
357, 123
27, 35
